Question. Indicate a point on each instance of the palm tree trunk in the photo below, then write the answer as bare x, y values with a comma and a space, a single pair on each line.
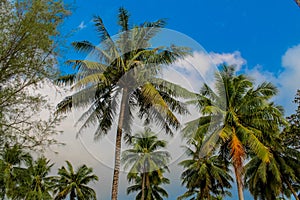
239, 182
115, 184
143, 186
148, 186
72, 195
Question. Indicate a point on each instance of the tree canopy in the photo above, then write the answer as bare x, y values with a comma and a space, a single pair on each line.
28, 37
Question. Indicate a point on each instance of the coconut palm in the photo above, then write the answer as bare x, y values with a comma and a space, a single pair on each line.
38, 185
127, 68
147, 164
280, 176
11, 160
74, 183
205, 177
236, 116
154, 191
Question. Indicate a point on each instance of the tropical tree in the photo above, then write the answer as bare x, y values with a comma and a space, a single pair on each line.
147, 164
74, 183
37, 184
11, 160
237, 117
205, 177
28, 39
278, 177
291, 133
154, 191
127, 68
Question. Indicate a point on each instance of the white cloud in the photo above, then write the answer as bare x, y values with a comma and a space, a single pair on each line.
192, 71
234, 58
287, 80
259, 75
82, 25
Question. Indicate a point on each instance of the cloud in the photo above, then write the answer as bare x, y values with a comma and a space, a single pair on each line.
259, 75
287, 80
200, 67
82, 25
234, 58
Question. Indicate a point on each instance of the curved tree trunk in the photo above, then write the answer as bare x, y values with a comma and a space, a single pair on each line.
239, 182
115, 184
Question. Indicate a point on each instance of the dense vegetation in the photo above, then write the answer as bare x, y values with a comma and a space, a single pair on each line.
241, 135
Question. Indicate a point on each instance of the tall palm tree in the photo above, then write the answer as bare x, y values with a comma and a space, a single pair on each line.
235, 116
11, 160
205, 177
127, 67
74, 183
147, 164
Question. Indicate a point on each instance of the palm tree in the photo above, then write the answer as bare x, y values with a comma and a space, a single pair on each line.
11, 160
38, 185
74, 183
148, 163
204, 177
154, 191
280, 176
128, 68
235, 117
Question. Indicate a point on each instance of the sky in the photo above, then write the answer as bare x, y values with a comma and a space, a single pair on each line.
262, 38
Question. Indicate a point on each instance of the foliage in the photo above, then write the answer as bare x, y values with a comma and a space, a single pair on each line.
154, 191
238, 118
291, 133
22, 177
74, 183
35, 182
205, 177
147, 164
28, 32
281, 176
126, 68
277, 178
11, 161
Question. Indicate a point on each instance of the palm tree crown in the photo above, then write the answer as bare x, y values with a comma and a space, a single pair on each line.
12, 171
74, 183
126, 67
38, 185
147, 164
205, 177
236, 117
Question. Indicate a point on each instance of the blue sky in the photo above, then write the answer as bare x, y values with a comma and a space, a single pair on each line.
261, 31
260, 36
